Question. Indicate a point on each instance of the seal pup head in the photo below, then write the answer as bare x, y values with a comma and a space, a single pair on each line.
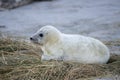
46, 35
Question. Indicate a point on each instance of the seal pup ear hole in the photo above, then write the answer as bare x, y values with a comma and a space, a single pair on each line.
41, 35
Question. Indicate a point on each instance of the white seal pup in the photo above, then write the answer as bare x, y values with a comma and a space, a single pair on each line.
76, 48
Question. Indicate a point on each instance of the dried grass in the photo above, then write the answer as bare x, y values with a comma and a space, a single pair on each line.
19, 60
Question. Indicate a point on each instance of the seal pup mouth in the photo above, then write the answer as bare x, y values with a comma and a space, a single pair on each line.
35, 41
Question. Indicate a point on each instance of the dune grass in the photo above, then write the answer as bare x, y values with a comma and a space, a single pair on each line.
20, 60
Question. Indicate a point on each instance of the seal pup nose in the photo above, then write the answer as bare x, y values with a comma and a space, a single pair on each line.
31, 38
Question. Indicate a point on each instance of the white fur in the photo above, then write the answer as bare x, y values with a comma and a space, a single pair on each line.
67, 47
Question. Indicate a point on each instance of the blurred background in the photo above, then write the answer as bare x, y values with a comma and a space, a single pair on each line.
96, 18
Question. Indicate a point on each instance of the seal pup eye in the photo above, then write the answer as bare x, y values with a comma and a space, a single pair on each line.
41, 35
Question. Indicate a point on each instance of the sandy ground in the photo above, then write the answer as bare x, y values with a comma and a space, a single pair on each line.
96, 18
